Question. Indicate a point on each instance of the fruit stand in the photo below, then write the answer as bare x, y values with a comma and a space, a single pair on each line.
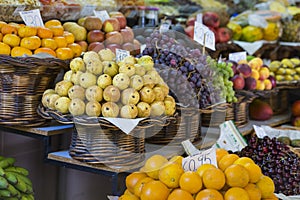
164, 99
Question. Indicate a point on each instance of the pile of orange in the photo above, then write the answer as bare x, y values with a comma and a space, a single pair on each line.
19, 40
235, 178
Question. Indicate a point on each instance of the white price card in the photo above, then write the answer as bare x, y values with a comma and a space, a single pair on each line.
164, 27
121, 54
87, 10
238, 56
204, 36
32, 17
142, 48
189, 148
18, 10
191, 163
199, 18
102, 14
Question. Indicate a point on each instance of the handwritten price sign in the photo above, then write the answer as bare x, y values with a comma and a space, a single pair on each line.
204, 36
191, 163
102, 14
121, 54
32, 17
238, 56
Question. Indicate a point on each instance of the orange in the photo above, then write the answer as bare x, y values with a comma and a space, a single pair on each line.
45, 50
220, 153
60, 41
227, 160
4, 49
1, 37
57, 30
2, 23
11, 39
190, 181
27, 31
202, 168
209, 194
32, 42
44, 32
155, 190
253, 191
272, 197
254, 172
236, 176
52, 22
243, 161
179, 194
213, 178
69, 37
137, 189
64, 53
20, 51
8, 28
170, 175
76, 48
236, 193
49, 43
128, 197
176, 159
132, 179
153, 165
266, 186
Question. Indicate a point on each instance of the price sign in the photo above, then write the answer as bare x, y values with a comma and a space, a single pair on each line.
32, 17
238, 56
204, 36
121, 54
19, 9
191, 163
87, 10
199, 18
260, 132
102, 14
164, 27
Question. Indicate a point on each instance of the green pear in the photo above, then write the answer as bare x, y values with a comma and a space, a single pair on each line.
139, 70
144, 109
148, 81
76, 91
121, 81
75, 77
94, 66
68, 76
147, 62
128, 69
147, 94
111, 93
77, 64
110, 67
127, 60
110, 109
104, 80
129, 111
62, 87
94, 93
87, 79
136, 82
46, 99
130, 96
77, 107
159, 93
62, 104
93, 109
170, 108
52, 101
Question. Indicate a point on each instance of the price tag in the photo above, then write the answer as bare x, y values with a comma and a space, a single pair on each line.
18, 10
230, 138
121, 54
189, 148
142, 48
164, 27
260, 132
102, 14
32, 17
238, 56
87, 10
199, 18
204, 36
191, 163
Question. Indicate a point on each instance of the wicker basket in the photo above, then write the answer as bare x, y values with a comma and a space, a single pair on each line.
214, 115
186, 124
22, 83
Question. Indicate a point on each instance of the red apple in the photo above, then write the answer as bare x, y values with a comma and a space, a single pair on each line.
95, 36
224, 34
92, 23
127, 34
113, 47
128, 46
96, 46
84, 45
189, 31
211, 19
296, 108
120, 17
238, 82
110, 25
113, 37
190, 21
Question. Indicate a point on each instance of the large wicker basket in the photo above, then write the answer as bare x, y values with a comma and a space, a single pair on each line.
22, 83
214, 115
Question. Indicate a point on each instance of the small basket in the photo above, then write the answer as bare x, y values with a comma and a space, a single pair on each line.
186, 124
214, 115
22, 83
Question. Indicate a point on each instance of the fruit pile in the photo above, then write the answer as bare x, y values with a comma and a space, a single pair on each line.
252, 75
14, 181
19, 39
288, 69
98, 85
93, 34
276, 161
296, 113
234, 178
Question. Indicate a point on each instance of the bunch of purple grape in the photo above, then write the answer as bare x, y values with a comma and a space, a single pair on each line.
276, 161
184, 68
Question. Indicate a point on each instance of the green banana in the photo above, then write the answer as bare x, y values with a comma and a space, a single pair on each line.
11, 178
5, 193
27, 197
23, 178
2, 172
19, 170
14, 192
12, 198
3, 183
6, 162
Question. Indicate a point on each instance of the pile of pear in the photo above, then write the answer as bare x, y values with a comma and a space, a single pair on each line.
97, 85
287, 69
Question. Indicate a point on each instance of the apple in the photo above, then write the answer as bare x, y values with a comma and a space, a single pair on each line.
250, 83
238, 82
211, 19
264, 73
127, 34
95, 36
84, 45
113, 47
296, 108
189, 30
224, 34
96, 46
92, 23
273, 81
191, 21
128, 46
244, 69
120, 17
113, 37
110, 25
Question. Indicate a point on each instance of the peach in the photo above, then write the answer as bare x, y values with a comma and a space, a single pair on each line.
255, 74
260, 85
244, 69
256, 63
264, 73
268, 84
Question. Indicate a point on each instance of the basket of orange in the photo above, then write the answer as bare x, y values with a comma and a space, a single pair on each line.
30, 60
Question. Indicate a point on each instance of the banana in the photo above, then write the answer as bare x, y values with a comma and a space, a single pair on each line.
1, 158
5, 194
14, 192
16, 169
23, 178
11, 178
3, 183
22, 186
2, 172
12, 198
6, 162
287, 63
27, 197
295, 61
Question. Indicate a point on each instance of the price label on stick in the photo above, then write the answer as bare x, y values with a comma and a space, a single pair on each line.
87, 10
199, 18
102, 14
238, 56
121, 54
32, 17
204, 36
